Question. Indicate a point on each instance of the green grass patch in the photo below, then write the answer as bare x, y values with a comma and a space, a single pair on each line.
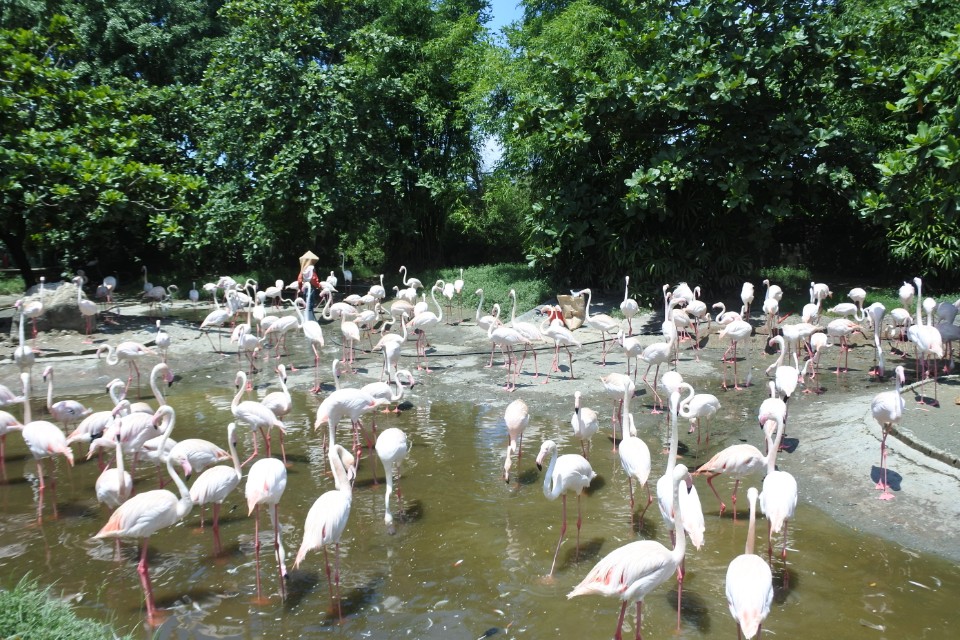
11, 285
30, 612
496, 280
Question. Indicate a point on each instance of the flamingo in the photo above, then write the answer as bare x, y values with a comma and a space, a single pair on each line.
746, 296
129, 352
216, 318
843, 328
8, 424
786, 377
23, 355
44, 440
929, 342
67, 412
253, 414
585, 424
658, 353
617, 385
160, 371
162, 340
314, 335
458, 285
635, 460
696, 407
280, 403
688, 520
351, 403
88, 308
193, 295
506, 338
529, 331
327, 518
347, 274
749, 581
739, 461
377, 290
737, 331
193, 454
600, 322
143, 515
114, 485
632, 348
390, 344
34, 308
569, 472
887, 409
778, 501
632, 571
266, 482
134, 430
214, 485
423, 321
772, 408
562, 337
410, 283
392, 449
629, 307
905, 293
876, 312
517, 417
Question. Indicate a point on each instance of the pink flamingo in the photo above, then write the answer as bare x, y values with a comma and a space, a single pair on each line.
328, 517
517, 417
562, 337
423, 321
253, 414
600, 322
266, 482
569, 472
143, 515
635, 569
392, 448
216, 483
749, 582
129, 352
585, 424
887, 409
635, 460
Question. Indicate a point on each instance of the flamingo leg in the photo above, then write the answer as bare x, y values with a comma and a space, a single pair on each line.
144, 571
618, 634
256, 545
217, 547
710, 478
563, 531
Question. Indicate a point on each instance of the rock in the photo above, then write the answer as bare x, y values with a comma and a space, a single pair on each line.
60, 310
574, 310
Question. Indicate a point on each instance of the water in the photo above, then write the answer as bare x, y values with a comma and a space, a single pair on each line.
470, 555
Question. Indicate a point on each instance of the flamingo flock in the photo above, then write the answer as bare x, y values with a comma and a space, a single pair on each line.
628, 573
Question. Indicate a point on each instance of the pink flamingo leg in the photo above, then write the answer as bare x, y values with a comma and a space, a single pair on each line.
563, 531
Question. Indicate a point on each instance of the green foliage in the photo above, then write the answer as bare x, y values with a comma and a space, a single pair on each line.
27, 611
11, 285
788, 277
77, 172
496, 280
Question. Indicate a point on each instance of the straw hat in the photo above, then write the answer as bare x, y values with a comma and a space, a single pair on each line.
308, 258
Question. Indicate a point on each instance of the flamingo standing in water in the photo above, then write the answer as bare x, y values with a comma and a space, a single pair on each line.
253, 414
658, 353
392, 448
600, 322
423, 321
266, 482
569, 472
585, 424
44, 440
517, 417
635, 459
328, 516
143, 515
778, 500
216, 483
887, 409
749, 582
635, 569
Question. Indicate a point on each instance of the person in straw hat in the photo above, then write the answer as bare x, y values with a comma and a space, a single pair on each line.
308, 274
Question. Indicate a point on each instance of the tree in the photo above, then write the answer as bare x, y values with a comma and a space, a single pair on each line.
74, 170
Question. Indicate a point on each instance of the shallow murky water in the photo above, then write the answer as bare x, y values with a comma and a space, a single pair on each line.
470, 555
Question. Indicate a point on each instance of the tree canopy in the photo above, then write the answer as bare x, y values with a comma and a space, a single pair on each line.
667, 140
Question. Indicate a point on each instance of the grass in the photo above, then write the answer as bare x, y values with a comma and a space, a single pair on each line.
11, 285
33, 613
496, 280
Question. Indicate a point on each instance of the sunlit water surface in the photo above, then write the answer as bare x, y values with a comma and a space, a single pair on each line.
470, 555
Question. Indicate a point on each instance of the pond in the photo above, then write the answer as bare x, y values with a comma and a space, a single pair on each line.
470, 554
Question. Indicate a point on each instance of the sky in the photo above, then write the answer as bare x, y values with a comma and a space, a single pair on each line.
504, 12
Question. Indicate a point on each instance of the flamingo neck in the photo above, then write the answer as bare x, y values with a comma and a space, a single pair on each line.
674, 437
185, 504
25, 381
751, 528
772, 447
232, 445
551, 489
680, 545
479, 306
155, 386
241, 387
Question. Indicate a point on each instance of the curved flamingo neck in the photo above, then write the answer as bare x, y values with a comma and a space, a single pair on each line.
674, 437
232, 446
169, 418
433, 294
185, 504
479, 305
155, 385
680, 544
688, 413
773, 446
342, 478
551, 489
241, 387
